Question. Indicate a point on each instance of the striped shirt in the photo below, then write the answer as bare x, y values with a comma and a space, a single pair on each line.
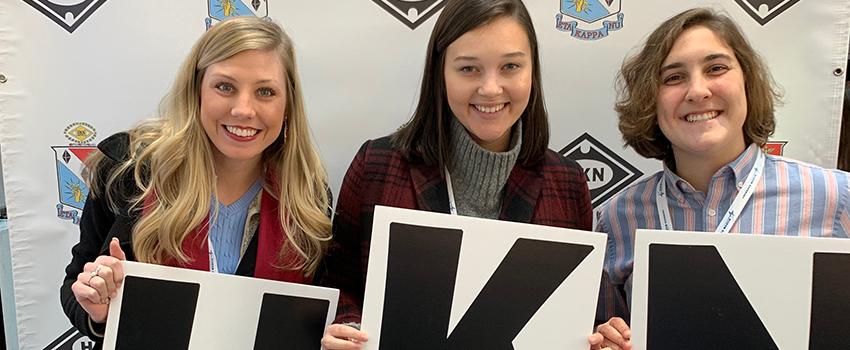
792, 199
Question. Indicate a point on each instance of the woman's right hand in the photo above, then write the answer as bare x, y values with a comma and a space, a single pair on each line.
612, 335
99, 282
342, 337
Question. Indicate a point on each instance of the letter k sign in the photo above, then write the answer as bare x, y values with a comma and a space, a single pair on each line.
422, 266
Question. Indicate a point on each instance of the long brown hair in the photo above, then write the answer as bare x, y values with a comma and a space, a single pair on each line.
428, 132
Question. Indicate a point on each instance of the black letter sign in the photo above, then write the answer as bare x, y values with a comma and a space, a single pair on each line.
422, 266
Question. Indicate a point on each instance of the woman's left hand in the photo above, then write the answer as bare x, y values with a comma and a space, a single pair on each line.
99, 282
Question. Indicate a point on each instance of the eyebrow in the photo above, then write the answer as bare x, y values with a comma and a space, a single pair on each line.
507, 55
261, 81
707, 58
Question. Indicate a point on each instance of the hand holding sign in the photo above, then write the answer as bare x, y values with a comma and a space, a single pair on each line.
99, 282
343, 337
614, 335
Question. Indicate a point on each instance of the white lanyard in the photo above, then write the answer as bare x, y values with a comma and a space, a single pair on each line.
211, 251
744, 193
452, 206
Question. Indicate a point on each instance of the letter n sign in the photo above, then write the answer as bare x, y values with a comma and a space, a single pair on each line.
421, 279
704, 295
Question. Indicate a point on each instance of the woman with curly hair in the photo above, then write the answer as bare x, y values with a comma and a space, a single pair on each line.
700, 99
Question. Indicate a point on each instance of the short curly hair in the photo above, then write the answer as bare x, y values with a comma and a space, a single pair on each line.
639, 79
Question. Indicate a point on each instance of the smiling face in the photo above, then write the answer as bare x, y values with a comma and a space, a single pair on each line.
702, 103
243, 101
488, 80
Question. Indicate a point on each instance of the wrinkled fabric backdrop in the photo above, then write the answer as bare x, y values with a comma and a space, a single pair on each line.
76, 71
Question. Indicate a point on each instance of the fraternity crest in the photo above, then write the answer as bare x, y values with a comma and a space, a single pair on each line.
411, 12
70, 162
219, 10
67, 14
765, 10
589, 19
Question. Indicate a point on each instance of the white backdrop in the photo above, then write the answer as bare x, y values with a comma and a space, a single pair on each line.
107, 64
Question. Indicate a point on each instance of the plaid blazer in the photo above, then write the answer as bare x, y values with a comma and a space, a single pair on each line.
551, 192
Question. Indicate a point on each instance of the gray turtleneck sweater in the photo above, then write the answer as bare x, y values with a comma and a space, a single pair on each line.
478, 176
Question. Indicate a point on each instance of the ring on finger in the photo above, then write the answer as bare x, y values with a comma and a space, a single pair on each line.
93, 274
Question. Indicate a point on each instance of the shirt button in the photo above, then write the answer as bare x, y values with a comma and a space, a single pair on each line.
712, 212
740, 184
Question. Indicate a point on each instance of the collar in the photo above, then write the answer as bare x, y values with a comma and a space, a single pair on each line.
116, 147
745, 162
522, 188
738, 168
478, 175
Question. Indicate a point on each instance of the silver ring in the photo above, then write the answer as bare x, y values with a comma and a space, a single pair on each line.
93, 274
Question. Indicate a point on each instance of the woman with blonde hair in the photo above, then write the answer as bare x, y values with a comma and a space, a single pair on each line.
226, 179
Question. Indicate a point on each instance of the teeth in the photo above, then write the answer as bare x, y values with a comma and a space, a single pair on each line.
700, 117
241, 132
492, 109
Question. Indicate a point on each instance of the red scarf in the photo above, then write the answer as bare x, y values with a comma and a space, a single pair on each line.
269, 235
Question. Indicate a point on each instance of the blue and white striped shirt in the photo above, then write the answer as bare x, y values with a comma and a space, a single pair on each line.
792, 199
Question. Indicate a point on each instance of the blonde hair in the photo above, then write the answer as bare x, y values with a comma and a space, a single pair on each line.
638, 83
171, 157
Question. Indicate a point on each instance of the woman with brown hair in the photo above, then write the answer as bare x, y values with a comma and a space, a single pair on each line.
476, 145
699, 98
225, 180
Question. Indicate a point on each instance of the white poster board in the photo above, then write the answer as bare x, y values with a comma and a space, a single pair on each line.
439, 280
214, 311
716, 291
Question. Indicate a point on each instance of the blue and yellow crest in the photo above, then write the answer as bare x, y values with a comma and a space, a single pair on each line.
219, 10
70, 162
589, 19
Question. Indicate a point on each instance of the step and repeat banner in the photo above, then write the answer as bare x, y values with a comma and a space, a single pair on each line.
73, 72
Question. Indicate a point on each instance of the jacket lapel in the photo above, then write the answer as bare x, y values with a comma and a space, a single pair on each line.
429, 186
271, 238
521, 193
